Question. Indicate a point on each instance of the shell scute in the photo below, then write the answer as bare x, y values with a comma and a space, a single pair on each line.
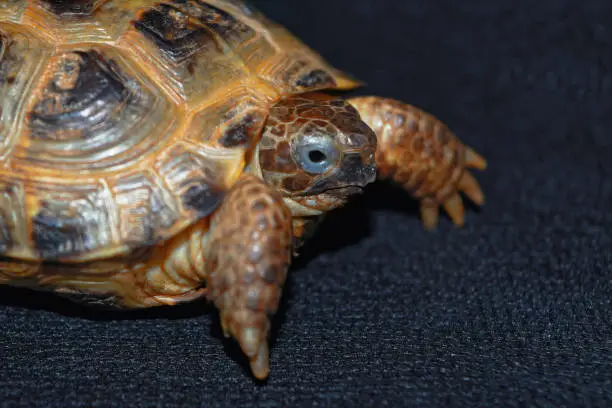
236, 121
199, 176
70, 220
74, 21
81, 96
94, 112
185, 46
22, 60
173, 32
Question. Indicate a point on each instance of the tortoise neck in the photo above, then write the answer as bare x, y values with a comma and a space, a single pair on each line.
303, 229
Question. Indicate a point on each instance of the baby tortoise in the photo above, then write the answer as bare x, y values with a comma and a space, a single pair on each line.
158, 152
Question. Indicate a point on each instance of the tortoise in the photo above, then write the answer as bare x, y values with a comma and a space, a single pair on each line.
160, 152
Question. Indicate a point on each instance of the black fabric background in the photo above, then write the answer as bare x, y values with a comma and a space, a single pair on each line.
512, 310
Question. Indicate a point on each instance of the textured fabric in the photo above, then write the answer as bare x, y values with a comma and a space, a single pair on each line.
513, 309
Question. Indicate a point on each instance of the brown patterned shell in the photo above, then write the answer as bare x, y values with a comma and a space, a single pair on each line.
122, 122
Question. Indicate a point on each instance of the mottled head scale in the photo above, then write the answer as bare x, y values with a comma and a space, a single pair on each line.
317, 150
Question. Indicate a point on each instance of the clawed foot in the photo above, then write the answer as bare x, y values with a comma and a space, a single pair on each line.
424, 156
250, 329
453, 205
248, 256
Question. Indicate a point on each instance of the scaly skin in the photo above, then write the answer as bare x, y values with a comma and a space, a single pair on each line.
423, 155
248, 255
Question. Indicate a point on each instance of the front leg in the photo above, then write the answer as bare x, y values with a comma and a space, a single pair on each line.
420, 153
248, 256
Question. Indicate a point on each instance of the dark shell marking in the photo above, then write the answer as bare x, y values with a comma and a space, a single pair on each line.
71, 222
173, 32
223, 24
201, 198
315, 78
305, 79
246, 128
182, 28
195, 178
240, 117
82, 100
55, 230
80, 8
92, 115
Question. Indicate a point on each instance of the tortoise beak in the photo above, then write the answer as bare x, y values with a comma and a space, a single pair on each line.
353, 175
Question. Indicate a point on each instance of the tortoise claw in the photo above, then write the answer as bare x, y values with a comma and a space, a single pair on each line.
255, 346
430, 215
453, 205
470, 187
250, 329
260, 363
454, 208
474, 160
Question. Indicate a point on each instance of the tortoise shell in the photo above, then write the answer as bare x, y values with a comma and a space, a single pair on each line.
123, 122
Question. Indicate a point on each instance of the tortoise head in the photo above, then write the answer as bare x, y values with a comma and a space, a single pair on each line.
317, 151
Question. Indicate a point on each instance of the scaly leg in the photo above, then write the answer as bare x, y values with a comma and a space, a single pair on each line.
248, 256
419, 152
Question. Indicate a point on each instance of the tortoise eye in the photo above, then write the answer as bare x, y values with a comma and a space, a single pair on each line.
316, 154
